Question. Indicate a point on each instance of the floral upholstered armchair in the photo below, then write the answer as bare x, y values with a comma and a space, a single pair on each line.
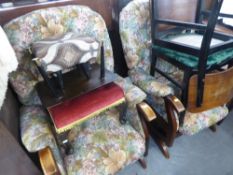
100, 145
135, 28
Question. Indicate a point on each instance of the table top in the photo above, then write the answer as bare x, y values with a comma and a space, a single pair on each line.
75, 84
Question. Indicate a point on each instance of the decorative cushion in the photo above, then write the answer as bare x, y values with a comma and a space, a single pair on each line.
190, 60
72, 112
44, 23
64, 52
104, 147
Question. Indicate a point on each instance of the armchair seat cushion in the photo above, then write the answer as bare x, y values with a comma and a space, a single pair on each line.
190, 60
104, 147
194, 122
149, 84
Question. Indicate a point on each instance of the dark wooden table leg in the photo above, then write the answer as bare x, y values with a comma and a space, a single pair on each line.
123, 111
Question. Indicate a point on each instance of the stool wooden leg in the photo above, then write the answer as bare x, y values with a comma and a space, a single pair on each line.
86, 68
143, 163
213, 128
123, 111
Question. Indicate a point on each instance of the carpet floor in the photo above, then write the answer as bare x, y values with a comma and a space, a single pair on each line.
206, 153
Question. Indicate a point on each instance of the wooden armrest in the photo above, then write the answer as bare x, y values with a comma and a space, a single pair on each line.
176, 103
48, 163
147, 111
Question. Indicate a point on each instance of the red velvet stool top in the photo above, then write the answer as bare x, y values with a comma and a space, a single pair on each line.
74, 111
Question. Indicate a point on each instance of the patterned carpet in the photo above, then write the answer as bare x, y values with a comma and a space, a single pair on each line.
205, 153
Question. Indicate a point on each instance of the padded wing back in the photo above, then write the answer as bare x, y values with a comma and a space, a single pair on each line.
134, 24
44, 23
135, 32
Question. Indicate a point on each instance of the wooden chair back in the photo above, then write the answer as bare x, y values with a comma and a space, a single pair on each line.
218, 90
182, 10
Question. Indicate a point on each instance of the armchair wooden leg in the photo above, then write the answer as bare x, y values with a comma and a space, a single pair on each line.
163, 147
159, 133
174, 108
146, 114
48, 163
164, 131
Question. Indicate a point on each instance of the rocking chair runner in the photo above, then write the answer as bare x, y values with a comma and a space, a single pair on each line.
208, 51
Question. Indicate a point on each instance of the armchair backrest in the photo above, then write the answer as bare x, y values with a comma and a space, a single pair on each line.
135, 28
134, 25
39, 24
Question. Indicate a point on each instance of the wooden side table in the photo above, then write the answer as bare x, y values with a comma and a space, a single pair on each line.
76, 85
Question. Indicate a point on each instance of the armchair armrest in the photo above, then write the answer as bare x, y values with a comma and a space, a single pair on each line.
175, 115
48, 163
149, 115
133, 94
36, 133
175, 111
147, 111
176, 103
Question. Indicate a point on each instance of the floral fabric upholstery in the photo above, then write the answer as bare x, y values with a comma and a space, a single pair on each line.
149, 84
127, 140
134, 27
133, 94
101, 142
40, 24
135, 36
104, 147
36, 132
194, 122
